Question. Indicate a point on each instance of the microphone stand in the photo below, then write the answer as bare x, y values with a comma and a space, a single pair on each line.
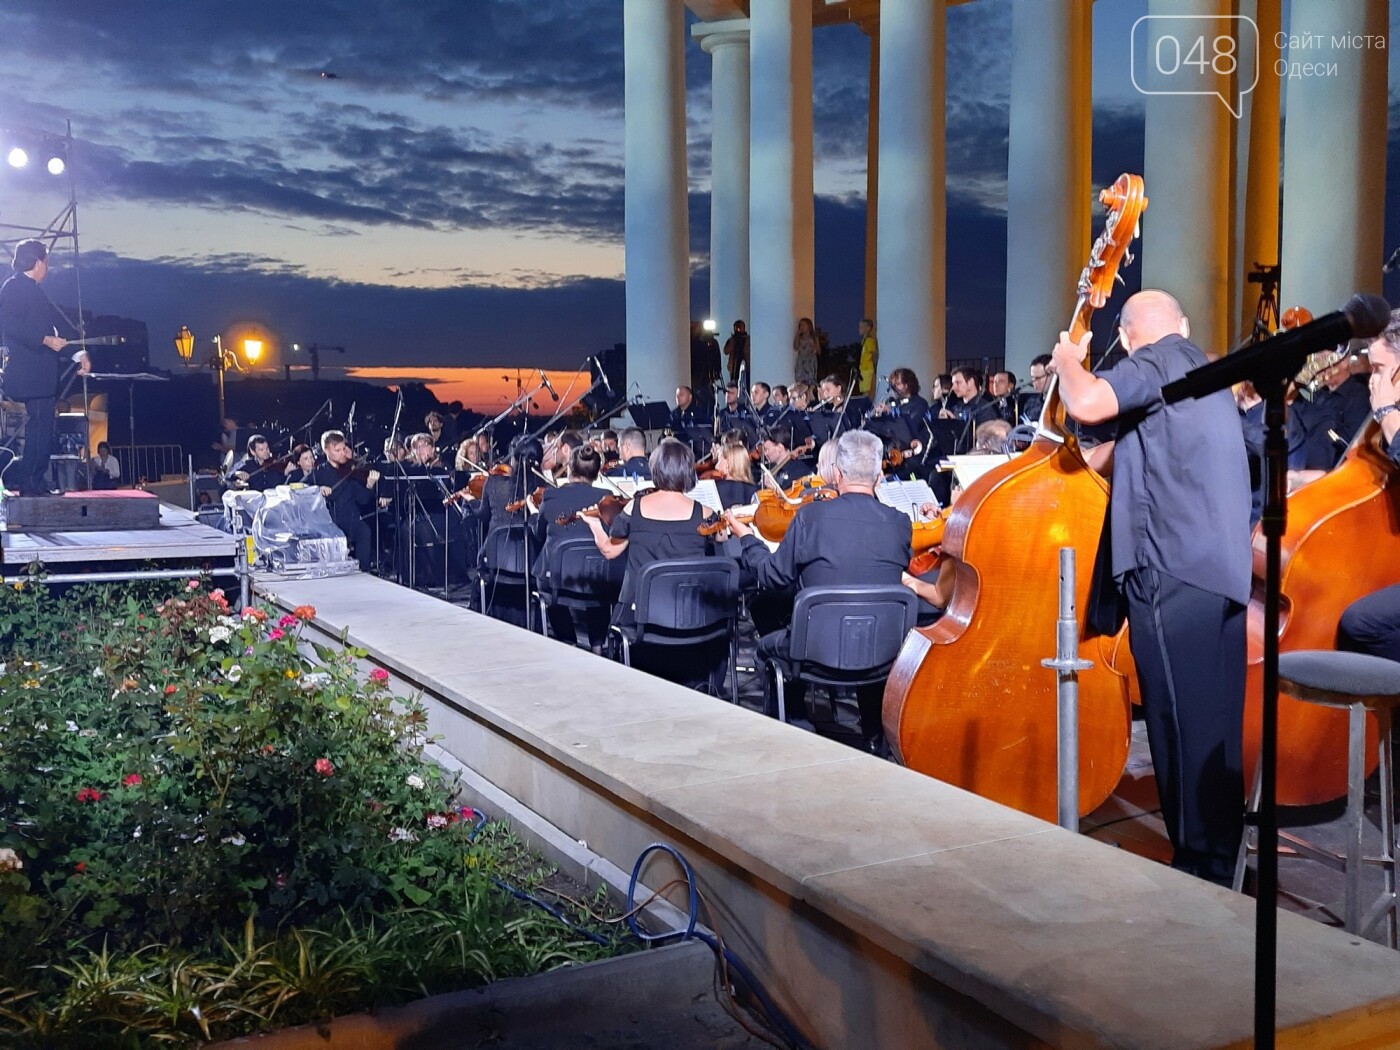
1270, 373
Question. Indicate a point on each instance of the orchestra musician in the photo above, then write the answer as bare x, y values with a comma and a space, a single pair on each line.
853, 538
300, 465
442, 430
28, 326
683, 416
1320, 430
1372, 624
764, 411
735, 483
347, 497
907, 404
573, 495
632, 447
1177, 562
1001, 389
1033, 402
662, 524
785, 462
253, 471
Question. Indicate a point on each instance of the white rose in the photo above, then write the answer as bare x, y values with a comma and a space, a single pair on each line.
234, 673
415, 781
219, 634
9, 860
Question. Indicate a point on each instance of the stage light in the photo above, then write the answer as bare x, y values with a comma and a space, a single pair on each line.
184, 343
709, 325
56, 166
18, 158
252, 350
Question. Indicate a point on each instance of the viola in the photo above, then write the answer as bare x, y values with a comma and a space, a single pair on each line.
927, 543
605, 510
477, 485
519, 504
966, 700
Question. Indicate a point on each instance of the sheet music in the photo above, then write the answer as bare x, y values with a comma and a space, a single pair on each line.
906, 496
967, 469
627, 487
706, 493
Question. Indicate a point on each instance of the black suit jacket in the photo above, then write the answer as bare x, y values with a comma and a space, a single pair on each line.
26, 316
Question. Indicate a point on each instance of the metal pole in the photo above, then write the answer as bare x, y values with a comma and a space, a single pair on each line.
1067, 665
245, 572
115, 577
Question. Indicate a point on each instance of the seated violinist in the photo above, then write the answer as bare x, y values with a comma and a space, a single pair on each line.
253, 470
348, 498
300, 466
661, 524
853, 538
632, 446
734, 476
786, 463
568, 498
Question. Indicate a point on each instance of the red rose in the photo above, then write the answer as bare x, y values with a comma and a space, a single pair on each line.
80, 867
131, 779
170, 690
324, 767
89, 795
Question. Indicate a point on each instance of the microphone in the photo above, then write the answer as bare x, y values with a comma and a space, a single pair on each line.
547, 384
602, 376
1363, 317
1393, 263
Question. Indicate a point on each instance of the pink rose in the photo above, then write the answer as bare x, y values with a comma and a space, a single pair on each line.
324, 767
287, 621
379, 676
193, 585
131, 779
276, 634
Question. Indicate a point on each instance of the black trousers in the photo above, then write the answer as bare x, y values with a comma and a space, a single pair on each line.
29, 476
776, 648
1189, 646
1372, 624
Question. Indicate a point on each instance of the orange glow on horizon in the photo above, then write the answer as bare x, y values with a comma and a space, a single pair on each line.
485, 390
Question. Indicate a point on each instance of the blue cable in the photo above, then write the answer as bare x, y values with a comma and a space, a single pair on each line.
779, 1019
529, 898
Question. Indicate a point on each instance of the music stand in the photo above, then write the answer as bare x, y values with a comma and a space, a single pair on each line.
650, 415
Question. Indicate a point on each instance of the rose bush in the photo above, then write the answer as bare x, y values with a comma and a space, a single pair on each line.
183, 783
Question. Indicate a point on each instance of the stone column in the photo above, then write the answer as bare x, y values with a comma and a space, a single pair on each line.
1187, 175
912, 228
1048, 206
781, 250
872, 170
727, 43
1334, 153
655, 229
1257, 191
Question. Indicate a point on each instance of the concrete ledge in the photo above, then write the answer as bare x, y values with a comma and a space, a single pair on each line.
881, 907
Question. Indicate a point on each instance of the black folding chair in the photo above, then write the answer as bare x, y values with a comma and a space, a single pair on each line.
578, 578
844, 637
686, 604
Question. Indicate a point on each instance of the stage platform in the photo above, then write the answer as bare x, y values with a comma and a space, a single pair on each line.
179, 541
878, 906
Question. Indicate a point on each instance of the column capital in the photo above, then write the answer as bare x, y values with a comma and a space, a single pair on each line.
726, 33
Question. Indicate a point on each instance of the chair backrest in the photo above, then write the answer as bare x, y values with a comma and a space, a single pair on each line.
688, 595
577, 569
852, 628
503, 550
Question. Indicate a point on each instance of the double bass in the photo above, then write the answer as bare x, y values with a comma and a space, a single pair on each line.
1342, 542
967, 700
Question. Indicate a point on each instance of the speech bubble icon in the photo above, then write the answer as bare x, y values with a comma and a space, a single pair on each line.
1196, 55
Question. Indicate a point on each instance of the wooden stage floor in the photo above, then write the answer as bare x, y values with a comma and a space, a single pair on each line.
180, 538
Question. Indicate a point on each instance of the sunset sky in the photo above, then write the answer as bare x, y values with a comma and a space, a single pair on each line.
453, 197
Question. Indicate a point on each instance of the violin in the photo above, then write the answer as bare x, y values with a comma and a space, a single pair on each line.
896, 457
605, 510
927, 543
519, 504
477, 485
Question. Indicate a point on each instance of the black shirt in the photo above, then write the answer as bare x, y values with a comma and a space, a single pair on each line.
853, 538
349, 500
1180, 502
735, 493
636, 467
1320, 430
26, 317
259, 480
794, 469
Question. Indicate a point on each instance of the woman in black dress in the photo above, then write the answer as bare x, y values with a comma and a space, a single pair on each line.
661, 524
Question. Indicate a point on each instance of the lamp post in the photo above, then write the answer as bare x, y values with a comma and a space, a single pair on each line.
226, 358
184, 344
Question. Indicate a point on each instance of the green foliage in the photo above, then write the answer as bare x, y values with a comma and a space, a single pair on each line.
208, 826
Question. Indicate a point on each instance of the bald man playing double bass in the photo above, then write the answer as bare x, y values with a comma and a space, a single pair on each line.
1175, 559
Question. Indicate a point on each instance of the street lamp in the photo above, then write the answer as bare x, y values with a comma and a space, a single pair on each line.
225, 359
184, 343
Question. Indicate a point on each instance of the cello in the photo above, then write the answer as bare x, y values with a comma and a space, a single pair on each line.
966, 700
